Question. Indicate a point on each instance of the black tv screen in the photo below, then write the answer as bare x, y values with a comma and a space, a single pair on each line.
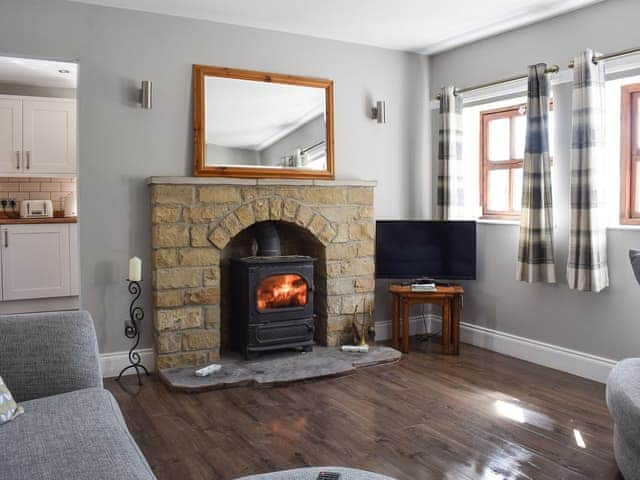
444, 250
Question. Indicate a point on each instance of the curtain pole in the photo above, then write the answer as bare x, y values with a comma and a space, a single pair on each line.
551, 69
608, 56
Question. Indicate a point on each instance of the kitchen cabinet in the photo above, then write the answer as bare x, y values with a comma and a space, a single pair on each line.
74, 265
37, 136
38, 261
10, 135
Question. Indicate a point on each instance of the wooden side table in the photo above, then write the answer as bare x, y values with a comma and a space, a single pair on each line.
449, 298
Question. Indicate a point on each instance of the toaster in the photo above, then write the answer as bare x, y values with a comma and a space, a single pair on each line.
36, 209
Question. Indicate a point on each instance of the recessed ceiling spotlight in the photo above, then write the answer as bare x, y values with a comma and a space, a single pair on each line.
64, 70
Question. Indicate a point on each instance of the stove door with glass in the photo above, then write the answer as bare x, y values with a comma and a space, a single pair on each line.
272, 303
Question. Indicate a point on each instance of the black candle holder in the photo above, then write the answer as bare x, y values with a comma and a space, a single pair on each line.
132, 330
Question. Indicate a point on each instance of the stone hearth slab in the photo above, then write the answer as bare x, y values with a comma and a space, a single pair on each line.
277, 368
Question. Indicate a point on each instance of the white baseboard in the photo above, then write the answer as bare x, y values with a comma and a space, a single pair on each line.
113, 363
416, 326
566, 360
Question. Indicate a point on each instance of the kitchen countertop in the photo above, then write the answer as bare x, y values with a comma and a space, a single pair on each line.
36, 221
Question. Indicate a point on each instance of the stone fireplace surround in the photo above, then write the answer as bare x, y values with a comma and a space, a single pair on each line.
194, 223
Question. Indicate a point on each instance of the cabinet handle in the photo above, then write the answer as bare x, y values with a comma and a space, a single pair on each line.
17, 159
28, 159
6, 238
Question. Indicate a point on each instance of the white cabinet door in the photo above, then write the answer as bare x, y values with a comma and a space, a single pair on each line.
10, 135
49, 136
74, 262
35, 261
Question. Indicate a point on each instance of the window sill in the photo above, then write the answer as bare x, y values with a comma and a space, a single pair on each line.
491, 221
624, 227
495, 221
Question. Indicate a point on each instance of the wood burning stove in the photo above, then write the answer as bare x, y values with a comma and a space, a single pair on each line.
271, 303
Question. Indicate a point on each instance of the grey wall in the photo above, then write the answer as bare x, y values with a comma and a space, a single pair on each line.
310, 133
603, 324
120, 144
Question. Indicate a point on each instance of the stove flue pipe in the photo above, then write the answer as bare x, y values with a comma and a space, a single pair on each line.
268, 240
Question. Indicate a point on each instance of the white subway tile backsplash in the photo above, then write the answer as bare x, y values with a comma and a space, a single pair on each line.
19, 195
51, 187
39, 195
30, 187
38, 188
58, 195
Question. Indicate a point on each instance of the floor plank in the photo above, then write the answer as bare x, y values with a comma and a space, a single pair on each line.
477, 416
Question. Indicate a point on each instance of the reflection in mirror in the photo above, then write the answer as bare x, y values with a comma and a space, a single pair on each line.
262, 124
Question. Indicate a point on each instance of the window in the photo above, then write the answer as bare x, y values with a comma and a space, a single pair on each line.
502, 142
630, 155
502, 138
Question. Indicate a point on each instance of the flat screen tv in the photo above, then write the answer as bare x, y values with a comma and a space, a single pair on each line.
443, 250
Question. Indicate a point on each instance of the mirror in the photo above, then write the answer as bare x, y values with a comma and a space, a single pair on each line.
257, 124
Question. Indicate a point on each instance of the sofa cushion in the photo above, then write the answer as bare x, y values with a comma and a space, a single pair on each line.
44, 354
9, 409
75, 435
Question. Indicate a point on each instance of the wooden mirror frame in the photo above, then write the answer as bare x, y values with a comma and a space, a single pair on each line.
200, 72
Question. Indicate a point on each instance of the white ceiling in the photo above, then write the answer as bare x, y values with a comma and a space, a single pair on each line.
254, 115
424, 26
39, 73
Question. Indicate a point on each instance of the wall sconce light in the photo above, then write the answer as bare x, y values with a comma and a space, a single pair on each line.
146, 94
379, 112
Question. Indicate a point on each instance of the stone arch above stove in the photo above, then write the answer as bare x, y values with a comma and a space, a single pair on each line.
194, 219
273, 208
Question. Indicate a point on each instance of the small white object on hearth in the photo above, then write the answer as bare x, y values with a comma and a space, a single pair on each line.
135, 269
208, 370
355, 348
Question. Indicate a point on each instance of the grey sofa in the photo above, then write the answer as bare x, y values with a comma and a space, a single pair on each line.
312, 474
72, 428
623, 400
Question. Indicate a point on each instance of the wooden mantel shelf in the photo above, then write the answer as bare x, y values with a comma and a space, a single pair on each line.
258, 181
36, 221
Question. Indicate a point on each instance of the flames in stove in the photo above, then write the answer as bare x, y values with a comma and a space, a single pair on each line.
282, 291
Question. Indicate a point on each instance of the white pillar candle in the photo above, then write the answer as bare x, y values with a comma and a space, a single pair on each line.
135, 269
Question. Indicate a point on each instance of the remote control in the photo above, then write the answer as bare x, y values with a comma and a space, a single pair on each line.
328, 476
355, 348
208, 370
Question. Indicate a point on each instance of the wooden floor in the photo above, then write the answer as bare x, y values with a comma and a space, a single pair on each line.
480, 415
